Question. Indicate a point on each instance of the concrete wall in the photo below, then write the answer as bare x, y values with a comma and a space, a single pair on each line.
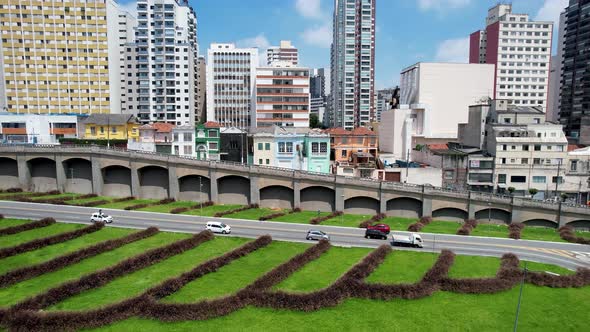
404, 207
153, 182
496, 216
540, 223
117, 181
189, 189
276, 197
449, 214
233, 190
43, 174
8, 173
318, 198
78, 175
361, 205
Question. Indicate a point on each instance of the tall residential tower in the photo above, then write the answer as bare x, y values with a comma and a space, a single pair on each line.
353, 63
286, 52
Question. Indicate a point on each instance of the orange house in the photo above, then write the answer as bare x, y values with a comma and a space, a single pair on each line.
344, 143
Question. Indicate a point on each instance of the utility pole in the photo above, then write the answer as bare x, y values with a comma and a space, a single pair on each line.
557, 179
520, 297
407, 165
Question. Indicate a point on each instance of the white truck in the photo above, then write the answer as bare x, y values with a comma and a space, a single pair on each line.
413, 239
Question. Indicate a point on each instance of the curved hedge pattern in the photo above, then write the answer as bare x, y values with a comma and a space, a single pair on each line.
567, 233
319, 220
417, 226
240, 209
372, 220
467, 227
26, 227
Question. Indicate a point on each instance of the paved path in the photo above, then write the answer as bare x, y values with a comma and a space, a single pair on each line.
567, 255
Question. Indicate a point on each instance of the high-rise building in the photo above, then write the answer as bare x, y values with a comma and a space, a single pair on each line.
556, 69
353, 63
282, 95
231, 81
125, 25
317, 89
574, 105
162, 62
201, 108
382, 102
521, 51
55, 57
286, 52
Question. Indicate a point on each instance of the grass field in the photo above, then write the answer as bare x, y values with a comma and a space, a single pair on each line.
490, 230
346, 220
88, 200
209, 211
302, 217
123, 205
8, 222
165, 208
252, 214
64, 195
441, 311
15, 239
441, 227
540, 233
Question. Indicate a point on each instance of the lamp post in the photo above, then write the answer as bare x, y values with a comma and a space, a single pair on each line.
72, 177
342, 215
201, 194
490, 211
520, 296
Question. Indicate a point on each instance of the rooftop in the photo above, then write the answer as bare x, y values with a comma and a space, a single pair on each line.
109, 119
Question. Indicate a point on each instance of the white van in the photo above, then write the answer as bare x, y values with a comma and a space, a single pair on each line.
218, 227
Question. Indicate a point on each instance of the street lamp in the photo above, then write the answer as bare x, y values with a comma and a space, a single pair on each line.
489, 212
342, 215
72, 177
201, 194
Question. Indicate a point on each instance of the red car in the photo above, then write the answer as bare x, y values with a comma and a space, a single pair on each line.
381, 227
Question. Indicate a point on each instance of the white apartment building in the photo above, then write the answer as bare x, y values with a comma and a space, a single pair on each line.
286, 52
36, 128
231, 82
282, 96
56, 58
183, 141
162, 62
521, 51
434, 98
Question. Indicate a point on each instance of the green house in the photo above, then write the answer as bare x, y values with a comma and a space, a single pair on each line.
317, 147
207, 141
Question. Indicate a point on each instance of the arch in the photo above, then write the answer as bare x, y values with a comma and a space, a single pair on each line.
117, 181
580, 224
493, 215
316, 198
404, 207
43, 174
78, 175
361, 205
450, 214
540, 223
8, 173
276, 197
194, 188
233, 189
153, 182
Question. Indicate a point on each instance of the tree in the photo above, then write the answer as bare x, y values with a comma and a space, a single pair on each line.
314, 122
533, 191
511, 190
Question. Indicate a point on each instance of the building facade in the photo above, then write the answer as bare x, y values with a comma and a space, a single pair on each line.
233, 145
556, 71
231, 82
183, 141
125, 33
282, 96
575, 89
162, 62
286, 52
201, 108
36, 128
353, 63
109, 127
207, 141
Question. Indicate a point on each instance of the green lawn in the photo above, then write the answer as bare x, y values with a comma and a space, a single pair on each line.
346, 220
323, 271
8, 222
490, 230
238, 274
135, 283
165, 208
540, 233
403, 267
22, 290
540, 267
46, 253
398, 223
302, 217
252, 214
123, 205
474, 267
64, 195
209, 211
15, 239
88, 200
441, 227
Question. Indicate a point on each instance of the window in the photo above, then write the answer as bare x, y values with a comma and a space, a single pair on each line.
259, 161
518, 179
175, 137
504, 147
188, 137
176, 150
282, 147
344, 154
449, 175
267, 146
259, 146
212, 145
212, 133
188, 150
289, 146
114, 130
268, 161
539, 179
574, 165
315, 148
323, 147
557, 179
525, 148
503, 160
92, 130
537, 147
102, 130
524, 161
501, 178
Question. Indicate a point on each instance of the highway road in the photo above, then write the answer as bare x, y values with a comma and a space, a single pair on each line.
567, 255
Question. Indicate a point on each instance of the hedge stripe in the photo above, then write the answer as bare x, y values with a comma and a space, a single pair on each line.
28, 226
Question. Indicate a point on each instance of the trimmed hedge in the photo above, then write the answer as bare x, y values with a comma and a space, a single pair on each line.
318, 220
20, 195
567, 233
87, 196
1, 216
26, 227
372, 220
18, 275
47, 241
467, 227
123, 199
11, 190
94, 203
417, 226
278, 214
193, 207
515, 230
144, 205
243, 208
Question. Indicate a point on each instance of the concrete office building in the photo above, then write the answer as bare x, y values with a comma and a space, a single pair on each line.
353, 63
162, 62
556, 70
574, 108
56, 58
520, 49
286, 106
201, 108
317, 87
382, 102
231, 82
36, 128
286, 52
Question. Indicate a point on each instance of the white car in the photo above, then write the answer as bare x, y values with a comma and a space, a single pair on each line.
101, 217
218, 227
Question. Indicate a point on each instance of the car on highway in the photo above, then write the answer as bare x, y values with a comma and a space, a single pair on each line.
317, 235
412, 240
101, 217
375, 234
380, 227
218, 227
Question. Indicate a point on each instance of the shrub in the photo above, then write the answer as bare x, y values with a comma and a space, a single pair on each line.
12, 190
1, 216
137, 206
295, 210
179, 210
94, 203
123, 199
193, 207
515, 230
417, 226
272, 216
372, 220
165, 201
28, 226
240, 209
87, 196
567, 233
467, 227
318, 220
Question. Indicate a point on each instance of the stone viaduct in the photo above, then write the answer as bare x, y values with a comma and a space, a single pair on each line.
113, 172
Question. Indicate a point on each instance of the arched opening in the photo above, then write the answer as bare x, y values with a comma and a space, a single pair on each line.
541, 223
317, 198
276, 197
43, 174
450, 214
361, 205
117, 181
495, 216
201, 150
404, 207
8, 173
194, 188
582, 225
233, 189
153, 182
78, 176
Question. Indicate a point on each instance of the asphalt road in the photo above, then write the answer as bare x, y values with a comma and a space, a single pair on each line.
567, 255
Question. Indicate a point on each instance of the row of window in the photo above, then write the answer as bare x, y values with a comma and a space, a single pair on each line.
536, 161
523, 179
536, 147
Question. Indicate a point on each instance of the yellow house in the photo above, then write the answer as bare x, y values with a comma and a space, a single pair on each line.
110, 126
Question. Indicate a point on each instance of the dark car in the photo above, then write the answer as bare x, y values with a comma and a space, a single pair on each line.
375, 234
381, 227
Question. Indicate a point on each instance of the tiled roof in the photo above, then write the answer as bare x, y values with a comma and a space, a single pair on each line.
438, 146
337, 131
162, 127
572, 147
211, 124
363, 131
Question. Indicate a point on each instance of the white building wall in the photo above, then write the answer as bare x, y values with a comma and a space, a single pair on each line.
38, 127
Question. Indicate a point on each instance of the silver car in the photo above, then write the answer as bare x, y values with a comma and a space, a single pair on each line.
317, 235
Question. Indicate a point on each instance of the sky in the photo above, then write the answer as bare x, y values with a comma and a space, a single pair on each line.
407, 31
